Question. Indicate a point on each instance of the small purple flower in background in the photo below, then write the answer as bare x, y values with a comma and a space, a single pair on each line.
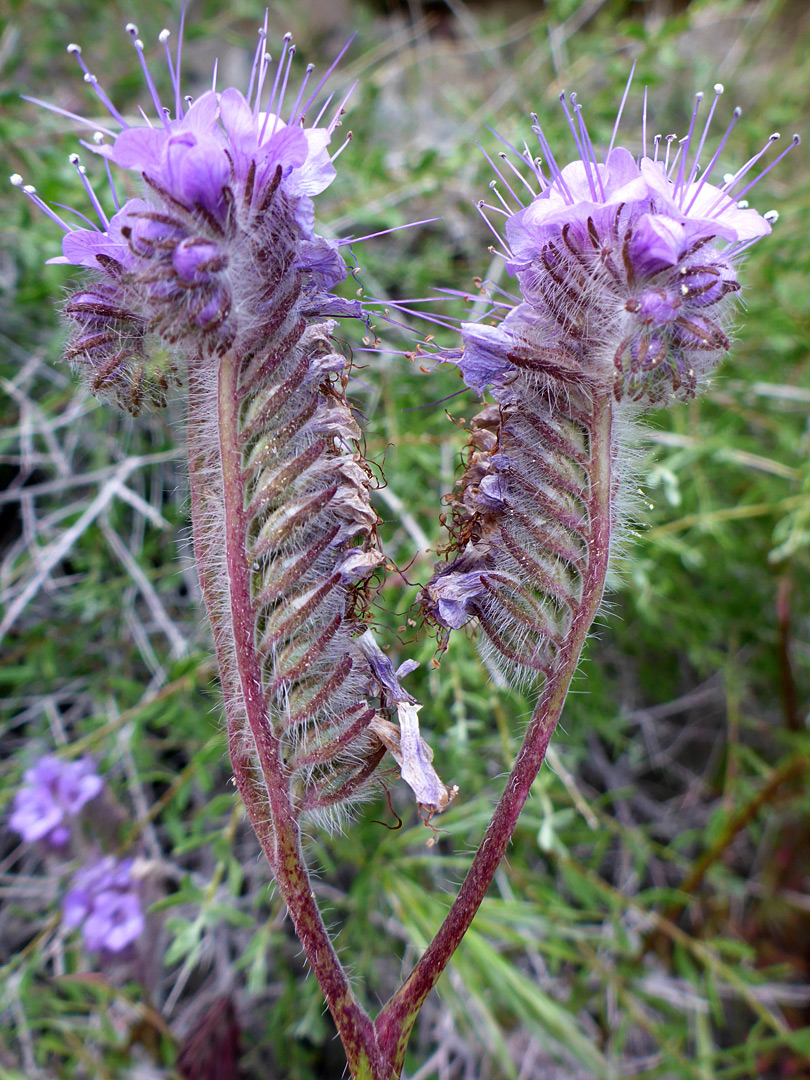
53, 792
103, 900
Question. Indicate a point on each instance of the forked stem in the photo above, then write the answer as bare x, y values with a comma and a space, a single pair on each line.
375, 1051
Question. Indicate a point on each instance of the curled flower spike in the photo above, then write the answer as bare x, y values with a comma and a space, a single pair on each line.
627, 270
216, 271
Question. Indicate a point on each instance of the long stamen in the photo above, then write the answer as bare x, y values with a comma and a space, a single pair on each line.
326, 74
91, 80
294, 115
340, 110
718, 91
257, 55
586, 140
505, 159
341, 148
279, 68
678, 190
178, 98
384, 232
98, 139
163, 38
500, 175
480, 208
734, 118
794, 142
283, 90
621, 109
553, 167
644, 125
264, 67
31, 192
670, 140
323, 109
493, 187
69, 115
132, 30
744, 169
572, 126
80, 169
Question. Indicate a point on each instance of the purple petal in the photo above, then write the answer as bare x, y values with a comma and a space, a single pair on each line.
483, 361
657, 242
139, 148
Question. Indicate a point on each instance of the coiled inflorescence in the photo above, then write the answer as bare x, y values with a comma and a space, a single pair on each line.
215, 273
628, 274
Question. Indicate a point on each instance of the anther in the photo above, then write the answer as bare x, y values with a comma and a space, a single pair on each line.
98, 138
74, 159
718, 88
164, 36
74, 50
771, 216
131, 29
16, 179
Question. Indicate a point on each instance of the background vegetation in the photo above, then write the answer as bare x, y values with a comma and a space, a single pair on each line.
653, 919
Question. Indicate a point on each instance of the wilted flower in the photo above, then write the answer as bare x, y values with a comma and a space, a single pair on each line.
103, 899
54, 791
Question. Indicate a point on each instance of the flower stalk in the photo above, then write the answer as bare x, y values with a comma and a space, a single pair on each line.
214, 278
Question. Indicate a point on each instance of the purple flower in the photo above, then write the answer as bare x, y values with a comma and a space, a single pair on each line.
630, 261
53, 792
627, 273
103, 900
226, 213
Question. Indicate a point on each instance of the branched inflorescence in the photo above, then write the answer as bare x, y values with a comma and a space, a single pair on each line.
628, 275
215, 275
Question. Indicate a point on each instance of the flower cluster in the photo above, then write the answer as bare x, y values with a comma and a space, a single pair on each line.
54, 792
103, 900
225, 217
627, 270
626, 266
215, 272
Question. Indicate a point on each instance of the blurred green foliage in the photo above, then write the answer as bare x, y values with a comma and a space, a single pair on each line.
682, 760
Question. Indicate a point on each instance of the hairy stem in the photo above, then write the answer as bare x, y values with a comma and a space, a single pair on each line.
220, 534
394, 1023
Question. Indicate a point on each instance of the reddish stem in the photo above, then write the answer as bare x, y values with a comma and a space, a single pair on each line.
375, 1051
218, 499
394, 1023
